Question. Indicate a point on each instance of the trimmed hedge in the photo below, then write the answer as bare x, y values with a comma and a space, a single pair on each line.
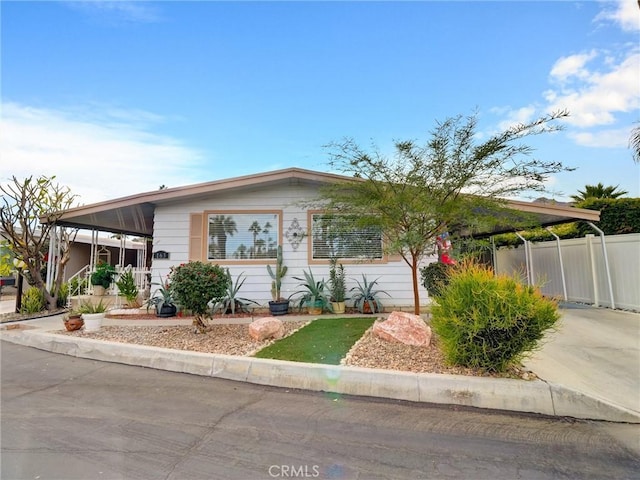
617, 216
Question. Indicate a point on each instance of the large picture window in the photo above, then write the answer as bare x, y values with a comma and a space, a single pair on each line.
242, 236
340, 236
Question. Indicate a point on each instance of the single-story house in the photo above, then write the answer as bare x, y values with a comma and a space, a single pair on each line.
239, 222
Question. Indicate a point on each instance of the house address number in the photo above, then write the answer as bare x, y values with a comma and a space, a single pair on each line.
161, 255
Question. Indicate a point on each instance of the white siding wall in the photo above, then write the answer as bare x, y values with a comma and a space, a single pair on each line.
171, 234
585, 271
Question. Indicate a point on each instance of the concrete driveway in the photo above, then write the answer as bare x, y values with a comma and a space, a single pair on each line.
595, 351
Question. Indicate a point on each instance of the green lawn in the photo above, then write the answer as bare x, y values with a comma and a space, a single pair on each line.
322, 341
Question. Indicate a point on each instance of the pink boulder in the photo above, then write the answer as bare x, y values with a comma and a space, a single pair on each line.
266, 327
404, 328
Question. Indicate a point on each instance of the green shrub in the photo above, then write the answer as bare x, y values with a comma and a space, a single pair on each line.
489, 322
63, 295
196, 284
32, 301
103, 275
435, 277
127, 287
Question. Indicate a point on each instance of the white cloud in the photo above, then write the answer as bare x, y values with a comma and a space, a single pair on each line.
114, 12
594, 94
625, 13
516, 117
618, 137
572, 66
98, 157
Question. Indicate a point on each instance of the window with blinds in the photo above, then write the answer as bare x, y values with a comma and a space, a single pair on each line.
340, 236
242, 236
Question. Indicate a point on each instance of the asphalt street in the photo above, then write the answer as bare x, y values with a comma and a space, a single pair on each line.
69, 418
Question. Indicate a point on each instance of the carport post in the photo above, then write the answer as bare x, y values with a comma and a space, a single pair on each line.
51, 264
564, 281
606, 262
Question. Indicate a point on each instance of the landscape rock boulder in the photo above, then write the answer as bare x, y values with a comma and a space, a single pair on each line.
266, 327
404, 328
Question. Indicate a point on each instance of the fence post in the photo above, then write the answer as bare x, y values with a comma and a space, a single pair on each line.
606, 262
592, 263
564, 281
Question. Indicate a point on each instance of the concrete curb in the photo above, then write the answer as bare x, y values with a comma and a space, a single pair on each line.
534, 396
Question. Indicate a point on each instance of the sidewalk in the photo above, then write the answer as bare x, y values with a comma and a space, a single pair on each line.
589, 368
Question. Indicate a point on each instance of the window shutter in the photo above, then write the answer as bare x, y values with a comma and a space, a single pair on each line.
195, 237
396, 257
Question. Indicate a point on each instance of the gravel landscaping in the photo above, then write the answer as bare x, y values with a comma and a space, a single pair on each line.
369, 352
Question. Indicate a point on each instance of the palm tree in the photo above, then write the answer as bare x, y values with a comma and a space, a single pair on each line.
219, 227
634, 144
255, 228
598, 191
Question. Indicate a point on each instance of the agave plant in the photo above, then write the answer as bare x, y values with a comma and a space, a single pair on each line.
314, 293
231, 302
366, 299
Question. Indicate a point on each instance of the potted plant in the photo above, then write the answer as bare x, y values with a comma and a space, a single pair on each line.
231, 302
314, 294
73, 320
127, 288
337, 286
102, 277
93, 314
366, 298
279, 305
163, 300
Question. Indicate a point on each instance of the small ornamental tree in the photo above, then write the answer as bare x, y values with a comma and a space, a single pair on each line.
195, 285
29, 209
453, 181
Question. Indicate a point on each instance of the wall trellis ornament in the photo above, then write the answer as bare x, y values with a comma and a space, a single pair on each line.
295, 234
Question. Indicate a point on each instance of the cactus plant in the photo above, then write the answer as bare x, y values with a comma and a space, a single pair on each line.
276, 275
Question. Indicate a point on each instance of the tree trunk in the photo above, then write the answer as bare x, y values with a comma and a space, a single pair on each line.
416, 292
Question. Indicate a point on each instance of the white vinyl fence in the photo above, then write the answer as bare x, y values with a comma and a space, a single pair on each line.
586, 279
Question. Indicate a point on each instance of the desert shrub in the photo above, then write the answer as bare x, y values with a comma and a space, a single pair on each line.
489, 322
435, 277
196, 284
32, 301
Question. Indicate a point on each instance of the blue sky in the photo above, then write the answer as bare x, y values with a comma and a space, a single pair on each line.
116, 98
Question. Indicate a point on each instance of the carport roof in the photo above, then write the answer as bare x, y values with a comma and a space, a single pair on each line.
133, 215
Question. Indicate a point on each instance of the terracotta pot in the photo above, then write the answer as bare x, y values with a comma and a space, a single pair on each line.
366, 308
73, 323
